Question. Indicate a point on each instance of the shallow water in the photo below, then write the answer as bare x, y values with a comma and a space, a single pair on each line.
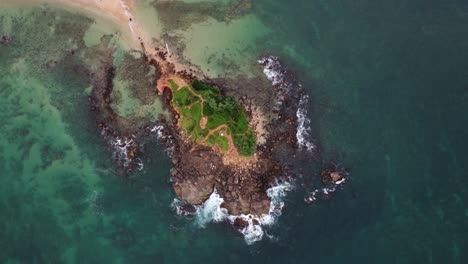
387, 86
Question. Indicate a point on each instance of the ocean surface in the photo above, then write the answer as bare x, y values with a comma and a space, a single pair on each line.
388, 87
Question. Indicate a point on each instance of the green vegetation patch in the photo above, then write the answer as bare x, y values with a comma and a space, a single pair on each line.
245, 143
184, 97
211, 140
225, 110
221, 141
223, 113
205, 90
190, 121
174, 86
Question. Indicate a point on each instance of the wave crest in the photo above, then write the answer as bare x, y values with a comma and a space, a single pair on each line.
253, 226
274, 71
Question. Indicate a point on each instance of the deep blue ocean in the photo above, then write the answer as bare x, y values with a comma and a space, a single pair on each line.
388, 87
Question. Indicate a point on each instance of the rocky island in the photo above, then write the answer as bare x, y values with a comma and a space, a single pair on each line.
232, 140
222, 145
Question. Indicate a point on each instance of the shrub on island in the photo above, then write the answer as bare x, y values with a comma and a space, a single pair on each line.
222, 112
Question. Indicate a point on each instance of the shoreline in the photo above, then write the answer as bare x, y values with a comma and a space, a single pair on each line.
105, 10
120, 14
199, 171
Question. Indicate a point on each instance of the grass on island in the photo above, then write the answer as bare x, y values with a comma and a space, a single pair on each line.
185, 98
224, 113
205, 90
220, 141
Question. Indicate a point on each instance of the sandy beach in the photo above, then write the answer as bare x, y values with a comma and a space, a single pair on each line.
121, 14
117, 12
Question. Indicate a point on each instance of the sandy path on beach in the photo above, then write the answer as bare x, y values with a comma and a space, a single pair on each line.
115, 11
120, 13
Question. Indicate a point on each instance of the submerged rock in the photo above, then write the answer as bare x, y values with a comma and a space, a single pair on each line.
5, 39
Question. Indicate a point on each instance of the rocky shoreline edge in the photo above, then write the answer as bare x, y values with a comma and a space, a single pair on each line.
246, 191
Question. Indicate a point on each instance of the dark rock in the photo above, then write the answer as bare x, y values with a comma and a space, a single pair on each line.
240, 223
188, 209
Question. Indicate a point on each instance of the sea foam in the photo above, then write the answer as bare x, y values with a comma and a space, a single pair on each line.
274, 71
212, 212
303, 125
122, 147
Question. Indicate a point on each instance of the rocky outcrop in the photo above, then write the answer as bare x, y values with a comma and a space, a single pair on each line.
194, 174
243, 184
5, 39
198, 170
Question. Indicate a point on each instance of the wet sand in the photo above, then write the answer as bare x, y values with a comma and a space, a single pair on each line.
121, 14
109, 10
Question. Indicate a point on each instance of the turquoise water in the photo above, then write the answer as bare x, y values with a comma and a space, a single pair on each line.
388, 87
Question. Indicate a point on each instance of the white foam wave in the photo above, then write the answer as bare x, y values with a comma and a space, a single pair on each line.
211, 211
273, 70
158, 129
303, 126
180, 206
312, 196
253, 232
122, 149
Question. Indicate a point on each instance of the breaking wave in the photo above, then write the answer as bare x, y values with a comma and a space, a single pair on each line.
274, 71
211, 211
253, 229
333, 186
158, 129
124, 151
121, 148
303, 125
